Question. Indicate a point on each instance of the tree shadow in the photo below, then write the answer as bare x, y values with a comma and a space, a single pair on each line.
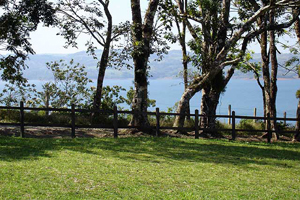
147, 149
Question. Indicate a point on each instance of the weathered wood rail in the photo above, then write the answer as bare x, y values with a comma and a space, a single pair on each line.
115, 113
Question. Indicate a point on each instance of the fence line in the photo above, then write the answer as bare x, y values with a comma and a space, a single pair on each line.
157, 127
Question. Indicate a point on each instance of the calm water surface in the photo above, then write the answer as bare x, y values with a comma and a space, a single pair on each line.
243, 95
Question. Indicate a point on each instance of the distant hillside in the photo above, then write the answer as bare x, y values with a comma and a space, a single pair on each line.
169, 67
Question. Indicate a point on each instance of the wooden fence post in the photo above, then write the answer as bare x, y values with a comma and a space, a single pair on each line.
73, 121
233, 126
269, 128
115, 122
255, 112
22, 128
284, 116
196, 124
157, 122
229, 112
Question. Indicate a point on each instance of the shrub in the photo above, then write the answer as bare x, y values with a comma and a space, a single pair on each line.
220, 125
249, 124
8, 116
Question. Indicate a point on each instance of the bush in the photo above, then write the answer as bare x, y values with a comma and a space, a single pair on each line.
249, 124
220, 125
9, 116
285, 127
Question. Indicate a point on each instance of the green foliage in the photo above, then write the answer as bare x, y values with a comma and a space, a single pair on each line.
293, 64
9, 116
72, 22
18, 19
249, 124
81, 16
220, 125
285, 127
130, 95
14, 92
69, 86
111, 96
43, 98
298, 94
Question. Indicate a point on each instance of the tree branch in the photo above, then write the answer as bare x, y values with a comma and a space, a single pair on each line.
83, 22
257, 75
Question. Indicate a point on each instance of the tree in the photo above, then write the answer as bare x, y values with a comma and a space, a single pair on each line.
269, 88
269, 74
142, 33
216, 38
171, 16
294, 65
297, 30
297, 135
77, 17
14, 92
18, 19
68, 87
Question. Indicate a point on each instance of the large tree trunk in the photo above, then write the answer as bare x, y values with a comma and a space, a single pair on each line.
139, 103
265, 72
209, 103
211, 92
297, 30
182, 40
210, 100
203, 107
141, 36
185, 61
273, 81
183, 105
104, 59
196, 86
270, 80
297, 135
100, 79
297, 25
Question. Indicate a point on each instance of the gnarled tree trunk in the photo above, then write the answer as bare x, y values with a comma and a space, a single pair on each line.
210, 100
209, 103
196, 86
183, 105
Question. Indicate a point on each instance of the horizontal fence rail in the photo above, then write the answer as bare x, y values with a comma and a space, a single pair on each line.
115, 125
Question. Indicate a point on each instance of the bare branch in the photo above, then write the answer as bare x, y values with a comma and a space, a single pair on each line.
83, 22
256, 73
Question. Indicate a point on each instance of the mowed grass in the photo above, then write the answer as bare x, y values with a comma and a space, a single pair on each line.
147, 168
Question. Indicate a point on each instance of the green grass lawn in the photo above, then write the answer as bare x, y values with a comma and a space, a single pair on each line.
147, 168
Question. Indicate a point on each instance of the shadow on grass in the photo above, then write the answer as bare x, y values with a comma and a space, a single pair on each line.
154, 150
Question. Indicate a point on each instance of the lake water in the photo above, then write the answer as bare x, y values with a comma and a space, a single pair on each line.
242, 95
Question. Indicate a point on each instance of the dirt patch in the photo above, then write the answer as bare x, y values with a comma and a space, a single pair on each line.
50, 132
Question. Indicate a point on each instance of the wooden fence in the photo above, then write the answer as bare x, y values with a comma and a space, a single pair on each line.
115, 112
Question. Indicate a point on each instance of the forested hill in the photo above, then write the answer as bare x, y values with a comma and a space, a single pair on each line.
169, 67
